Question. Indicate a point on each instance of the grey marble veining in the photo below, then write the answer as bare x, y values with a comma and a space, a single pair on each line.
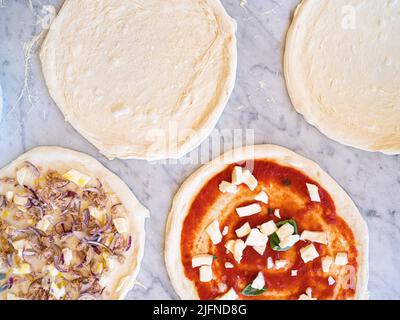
259, 102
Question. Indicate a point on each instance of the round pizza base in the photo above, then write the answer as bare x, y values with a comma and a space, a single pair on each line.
144, 79
190, 188
60, 159
341, 68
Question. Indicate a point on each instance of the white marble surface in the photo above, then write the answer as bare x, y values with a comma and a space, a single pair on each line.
259, 102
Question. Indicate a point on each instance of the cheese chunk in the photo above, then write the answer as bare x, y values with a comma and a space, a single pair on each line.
25, 177
206, 274
214, 232
44, 223
313, 192
243, 231
314, 236
270, 263
77, 177
249, 180
289, 241
262, 197
67, 254
280, 264
230, 245
225, 231
294, 273
268, 228
341, 259
11, 296
277, 213
121, 225
326, 263
229, 295
307, 295
256, 238
309, 253
284, 231
229, 265
248, 210
238, 250
52, 270
331, 281
9, 196
21, 244
260, 249
259, 282
237, 175
97, 213
202, 260
20, 200
227, 187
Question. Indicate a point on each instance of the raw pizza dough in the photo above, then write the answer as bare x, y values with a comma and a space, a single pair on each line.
141, 79
191, 187
342, 69
123, 277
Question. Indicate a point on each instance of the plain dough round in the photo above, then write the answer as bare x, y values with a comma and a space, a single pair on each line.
190, 188
60, 159
143, 79
342, 68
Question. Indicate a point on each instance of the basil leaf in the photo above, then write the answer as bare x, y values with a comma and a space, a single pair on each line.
2, 276
274, 239
249, 291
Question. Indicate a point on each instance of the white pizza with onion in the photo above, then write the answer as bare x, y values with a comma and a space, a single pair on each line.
69, 229
262, 222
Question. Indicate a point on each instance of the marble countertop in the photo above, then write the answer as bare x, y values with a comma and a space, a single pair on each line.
259, 104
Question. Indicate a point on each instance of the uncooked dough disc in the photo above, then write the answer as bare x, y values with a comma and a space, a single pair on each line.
342, 68
141, 79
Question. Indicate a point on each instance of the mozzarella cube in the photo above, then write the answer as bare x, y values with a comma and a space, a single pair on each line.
44, 224
229, 295
309, 253
67, 254
341, 259
313, 192
307, 295
121, 225
248, 210
256, 238
284, 231
77, 177
230, 245
326, 263
238, 250
249, 180
52, 270
225, 231
9, 196
314, 236
227, 187
260, 250
11, 296
277, 213
202, 260
214, 232
270, 263
206, 274
25, 177
97, 213
289, 241
294, 273
268, 228
21, 244
259, 282
243, 231
331, 281
262, 197
229, 265
280, 264
237, 175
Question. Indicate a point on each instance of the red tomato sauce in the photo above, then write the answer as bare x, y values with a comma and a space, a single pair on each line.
308, 215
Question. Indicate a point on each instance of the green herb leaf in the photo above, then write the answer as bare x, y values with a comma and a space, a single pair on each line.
274, 239
249, 291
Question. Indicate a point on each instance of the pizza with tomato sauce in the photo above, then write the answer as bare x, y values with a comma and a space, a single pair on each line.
262, 222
